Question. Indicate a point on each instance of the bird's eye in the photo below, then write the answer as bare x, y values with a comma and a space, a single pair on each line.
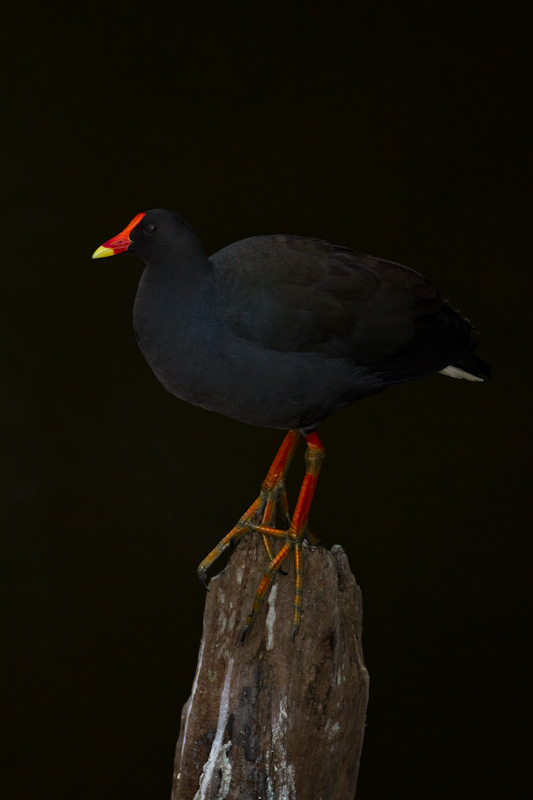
150, 228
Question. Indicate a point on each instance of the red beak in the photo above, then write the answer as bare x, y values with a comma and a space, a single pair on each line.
120, 242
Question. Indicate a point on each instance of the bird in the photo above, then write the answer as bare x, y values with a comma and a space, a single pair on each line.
282, 331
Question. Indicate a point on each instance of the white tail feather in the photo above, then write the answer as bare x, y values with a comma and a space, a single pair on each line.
455, 372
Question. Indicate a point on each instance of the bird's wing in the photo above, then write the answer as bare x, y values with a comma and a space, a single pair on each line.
294, 294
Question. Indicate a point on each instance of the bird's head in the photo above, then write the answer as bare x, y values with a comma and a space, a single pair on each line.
149, 234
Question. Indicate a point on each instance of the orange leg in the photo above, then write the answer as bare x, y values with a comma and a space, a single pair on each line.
264, 508
293, 536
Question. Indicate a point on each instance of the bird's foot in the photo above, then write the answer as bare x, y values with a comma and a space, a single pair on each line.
261, 517
294, 537
273, 497
293, 541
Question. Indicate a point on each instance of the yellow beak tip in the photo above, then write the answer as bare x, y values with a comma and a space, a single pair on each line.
103, 252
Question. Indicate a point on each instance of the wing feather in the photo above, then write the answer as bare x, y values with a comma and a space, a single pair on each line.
294, 294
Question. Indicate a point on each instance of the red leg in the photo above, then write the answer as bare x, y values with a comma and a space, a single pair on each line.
272, 493
273, 487
294, 536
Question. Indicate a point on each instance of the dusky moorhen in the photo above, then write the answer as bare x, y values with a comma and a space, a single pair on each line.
282, 331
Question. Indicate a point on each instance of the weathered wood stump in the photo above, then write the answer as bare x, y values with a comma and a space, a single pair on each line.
276, 718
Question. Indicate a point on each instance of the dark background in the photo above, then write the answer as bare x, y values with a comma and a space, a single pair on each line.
398, 129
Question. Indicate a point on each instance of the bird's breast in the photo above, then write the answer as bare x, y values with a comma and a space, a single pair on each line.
196, 357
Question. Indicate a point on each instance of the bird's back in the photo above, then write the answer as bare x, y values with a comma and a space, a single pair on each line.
298, 295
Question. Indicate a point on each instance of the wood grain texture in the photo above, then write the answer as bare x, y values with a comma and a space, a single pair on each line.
276, 718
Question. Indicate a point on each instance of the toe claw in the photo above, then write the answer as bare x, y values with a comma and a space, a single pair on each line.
202, 577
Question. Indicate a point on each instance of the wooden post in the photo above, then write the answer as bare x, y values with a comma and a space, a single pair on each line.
276, 719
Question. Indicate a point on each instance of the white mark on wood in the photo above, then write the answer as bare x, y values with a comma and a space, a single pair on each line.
223, 767
281, 784
217, 747
232, 619
194, 687
222, 621
238, 575
335, 728
221, 596
271, 617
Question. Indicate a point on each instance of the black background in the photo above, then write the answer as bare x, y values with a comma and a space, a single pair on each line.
398, 129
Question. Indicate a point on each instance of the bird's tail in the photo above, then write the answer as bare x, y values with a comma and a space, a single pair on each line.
470, 368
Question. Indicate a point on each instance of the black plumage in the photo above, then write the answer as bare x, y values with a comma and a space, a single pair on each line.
282, 331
